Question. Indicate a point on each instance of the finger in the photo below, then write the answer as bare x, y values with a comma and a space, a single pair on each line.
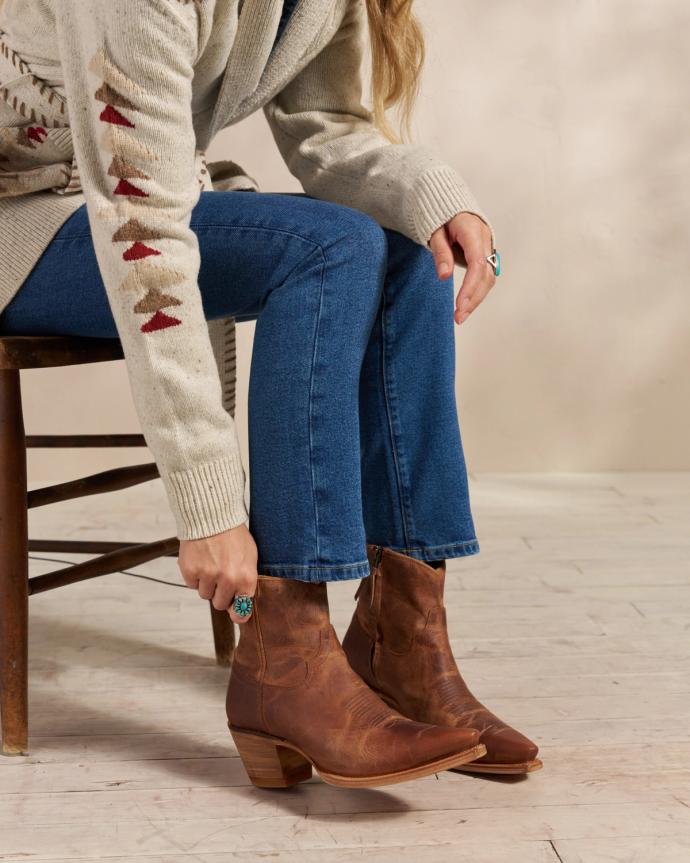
224, 595
190, 575
478, 281
206, 587
190, 579
471, 285
240, 610
442, 251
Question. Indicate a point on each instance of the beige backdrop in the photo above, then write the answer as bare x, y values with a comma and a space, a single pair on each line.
571, 123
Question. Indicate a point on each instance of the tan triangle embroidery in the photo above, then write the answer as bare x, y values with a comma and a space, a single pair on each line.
120, 168
127, 209
154, 301
146, 277
134, 230
104, 68
110, 96
119, 142
24, 140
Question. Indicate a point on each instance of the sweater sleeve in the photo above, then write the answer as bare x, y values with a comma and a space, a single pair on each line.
328, 141
128, 70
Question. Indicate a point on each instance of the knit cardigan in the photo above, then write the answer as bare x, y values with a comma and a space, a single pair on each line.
113, 103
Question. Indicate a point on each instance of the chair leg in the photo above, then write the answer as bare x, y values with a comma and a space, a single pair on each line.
223, 636
14, 573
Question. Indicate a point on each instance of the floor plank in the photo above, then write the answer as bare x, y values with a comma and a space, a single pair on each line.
572, 623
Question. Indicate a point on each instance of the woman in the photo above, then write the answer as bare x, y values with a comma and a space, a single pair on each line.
356, 462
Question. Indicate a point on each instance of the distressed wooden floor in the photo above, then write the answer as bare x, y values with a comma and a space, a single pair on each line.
573, 623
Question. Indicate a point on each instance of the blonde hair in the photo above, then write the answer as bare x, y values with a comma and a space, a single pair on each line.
397, 58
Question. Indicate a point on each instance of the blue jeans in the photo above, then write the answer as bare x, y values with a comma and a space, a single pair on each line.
353, 427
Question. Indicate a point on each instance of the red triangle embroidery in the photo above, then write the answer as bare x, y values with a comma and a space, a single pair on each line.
37, 133
126, 188
112, 115
160, 321
139, 251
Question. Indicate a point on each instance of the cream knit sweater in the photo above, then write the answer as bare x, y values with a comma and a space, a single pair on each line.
113, 103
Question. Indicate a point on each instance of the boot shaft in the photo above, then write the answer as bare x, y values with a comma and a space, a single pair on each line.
282, 639
401, 595
288, 614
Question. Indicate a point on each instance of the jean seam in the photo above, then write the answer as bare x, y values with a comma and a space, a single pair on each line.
88, 236
311, 404
272, 230
462, 544
316, 246
319, 574
314, 565
387, 387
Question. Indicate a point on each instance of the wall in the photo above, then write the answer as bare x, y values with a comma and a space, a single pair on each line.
571, 123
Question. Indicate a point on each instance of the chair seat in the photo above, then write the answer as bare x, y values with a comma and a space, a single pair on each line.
42, 352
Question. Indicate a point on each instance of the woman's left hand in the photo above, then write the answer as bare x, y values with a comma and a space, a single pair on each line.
465, 234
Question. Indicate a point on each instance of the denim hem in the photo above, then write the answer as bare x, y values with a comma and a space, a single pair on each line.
316, 573
436, 552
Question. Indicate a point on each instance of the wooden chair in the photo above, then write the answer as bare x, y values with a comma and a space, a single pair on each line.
17, 353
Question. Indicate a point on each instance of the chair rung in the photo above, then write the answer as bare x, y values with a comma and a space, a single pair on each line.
67, 441
78, 546
98, 483
125, 558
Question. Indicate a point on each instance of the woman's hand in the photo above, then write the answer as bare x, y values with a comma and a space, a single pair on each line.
468, 236
220, 567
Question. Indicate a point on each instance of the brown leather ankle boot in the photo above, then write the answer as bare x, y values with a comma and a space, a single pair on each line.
398, 643
294, 702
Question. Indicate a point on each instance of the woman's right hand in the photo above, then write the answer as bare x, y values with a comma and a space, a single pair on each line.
221, 566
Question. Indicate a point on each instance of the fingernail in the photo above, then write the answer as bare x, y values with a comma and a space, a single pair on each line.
445, 270
464, 317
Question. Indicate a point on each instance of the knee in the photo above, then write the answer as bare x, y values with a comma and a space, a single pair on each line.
359, 239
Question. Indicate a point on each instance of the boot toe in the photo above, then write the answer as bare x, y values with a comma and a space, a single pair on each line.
442, 742
508, 746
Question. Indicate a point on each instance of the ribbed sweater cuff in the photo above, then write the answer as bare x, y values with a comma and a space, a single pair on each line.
437, 196
207, 499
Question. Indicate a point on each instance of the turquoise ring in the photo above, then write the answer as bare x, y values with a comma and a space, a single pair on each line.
495, 260
243, 605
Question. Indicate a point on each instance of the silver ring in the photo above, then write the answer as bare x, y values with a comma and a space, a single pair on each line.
243, 605
495, 260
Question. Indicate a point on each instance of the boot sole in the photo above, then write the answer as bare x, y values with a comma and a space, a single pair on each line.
502, 769
272, 762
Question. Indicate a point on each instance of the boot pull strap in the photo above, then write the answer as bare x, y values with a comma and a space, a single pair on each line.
375, 598
373, 576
